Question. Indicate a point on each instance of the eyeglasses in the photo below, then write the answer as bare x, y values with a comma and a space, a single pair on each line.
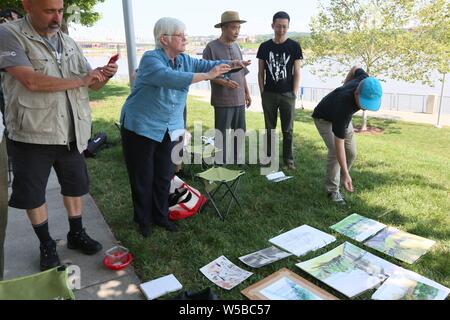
183, 35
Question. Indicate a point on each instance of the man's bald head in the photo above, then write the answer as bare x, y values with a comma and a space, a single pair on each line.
45, 15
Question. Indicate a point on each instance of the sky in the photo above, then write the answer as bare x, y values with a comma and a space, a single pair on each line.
200, 16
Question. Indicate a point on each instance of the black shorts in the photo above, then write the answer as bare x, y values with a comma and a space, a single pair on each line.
32, 164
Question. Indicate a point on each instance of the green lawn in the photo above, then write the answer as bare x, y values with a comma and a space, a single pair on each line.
402, 178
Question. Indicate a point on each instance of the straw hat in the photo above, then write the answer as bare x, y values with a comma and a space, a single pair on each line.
229, 16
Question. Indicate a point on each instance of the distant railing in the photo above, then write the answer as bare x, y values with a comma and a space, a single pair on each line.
391, 101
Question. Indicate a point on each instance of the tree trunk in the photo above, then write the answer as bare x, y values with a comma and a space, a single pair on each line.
364, 124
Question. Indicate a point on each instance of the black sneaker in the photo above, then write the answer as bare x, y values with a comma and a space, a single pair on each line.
145, 231
169, 226
81, 241
49, 256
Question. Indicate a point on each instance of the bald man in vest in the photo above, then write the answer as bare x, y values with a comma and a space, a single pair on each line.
46, 81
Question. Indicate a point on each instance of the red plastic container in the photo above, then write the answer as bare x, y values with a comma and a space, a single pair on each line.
117, 258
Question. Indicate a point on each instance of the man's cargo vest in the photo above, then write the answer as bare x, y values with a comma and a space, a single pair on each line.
42, 117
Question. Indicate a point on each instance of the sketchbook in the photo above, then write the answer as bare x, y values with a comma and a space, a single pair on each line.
156, 288
302, 240
264, 257
349, 269
358, 228
277, 177
224, 273
400, 245
408, 285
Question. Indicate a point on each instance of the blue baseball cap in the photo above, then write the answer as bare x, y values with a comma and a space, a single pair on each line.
370, 93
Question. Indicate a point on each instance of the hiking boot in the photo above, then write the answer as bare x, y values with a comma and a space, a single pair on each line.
49, 256
145, 231
337, 198
81, 241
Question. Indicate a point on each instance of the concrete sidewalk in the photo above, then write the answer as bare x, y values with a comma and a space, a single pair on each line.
205, 95
97, 282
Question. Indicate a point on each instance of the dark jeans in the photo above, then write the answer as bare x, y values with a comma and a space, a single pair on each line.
150, 170
285, 102
230, 118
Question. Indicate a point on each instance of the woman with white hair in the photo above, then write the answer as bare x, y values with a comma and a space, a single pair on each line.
152, 119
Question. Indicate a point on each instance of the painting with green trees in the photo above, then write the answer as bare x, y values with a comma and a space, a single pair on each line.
286, 289
349, 269
358, 228
400, 245
408, 285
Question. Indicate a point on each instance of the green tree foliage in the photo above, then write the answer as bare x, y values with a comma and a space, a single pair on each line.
365, 32
433, 30
76, 11
399, 39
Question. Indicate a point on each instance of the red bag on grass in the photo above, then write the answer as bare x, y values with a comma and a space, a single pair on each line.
186, 200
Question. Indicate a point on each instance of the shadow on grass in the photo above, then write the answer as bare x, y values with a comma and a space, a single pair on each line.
268, 210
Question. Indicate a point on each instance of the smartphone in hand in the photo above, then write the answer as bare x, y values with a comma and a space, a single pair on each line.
114, 58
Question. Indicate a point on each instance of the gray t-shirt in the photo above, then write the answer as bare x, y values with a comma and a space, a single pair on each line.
222, 96
12, 54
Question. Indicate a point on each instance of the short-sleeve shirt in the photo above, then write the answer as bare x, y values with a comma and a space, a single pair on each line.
12, 53
279, 60
220, 95
339, 106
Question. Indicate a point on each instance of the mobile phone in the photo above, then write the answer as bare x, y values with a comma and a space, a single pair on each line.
235, 70
114, 58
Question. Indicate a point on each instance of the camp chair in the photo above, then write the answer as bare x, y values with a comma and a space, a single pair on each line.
204, 151
218, 177
48, 285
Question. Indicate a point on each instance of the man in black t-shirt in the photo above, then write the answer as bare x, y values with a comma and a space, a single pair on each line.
333, 119
279, 83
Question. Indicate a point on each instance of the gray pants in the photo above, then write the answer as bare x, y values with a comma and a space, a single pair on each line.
233, 118
3, 200
285, 102
333, 178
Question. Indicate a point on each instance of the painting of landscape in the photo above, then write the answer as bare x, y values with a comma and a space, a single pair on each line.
349, 269
401, 245
286, 285
408, 285
358, 228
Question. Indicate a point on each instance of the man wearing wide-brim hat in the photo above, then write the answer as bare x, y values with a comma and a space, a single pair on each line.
229, 95
229, 16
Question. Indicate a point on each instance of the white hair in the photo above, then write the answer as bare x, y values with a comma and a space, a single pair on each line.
167, 26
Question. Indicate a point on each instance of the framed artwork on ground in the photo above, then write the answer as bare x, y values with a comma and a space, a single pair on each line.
286, 285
